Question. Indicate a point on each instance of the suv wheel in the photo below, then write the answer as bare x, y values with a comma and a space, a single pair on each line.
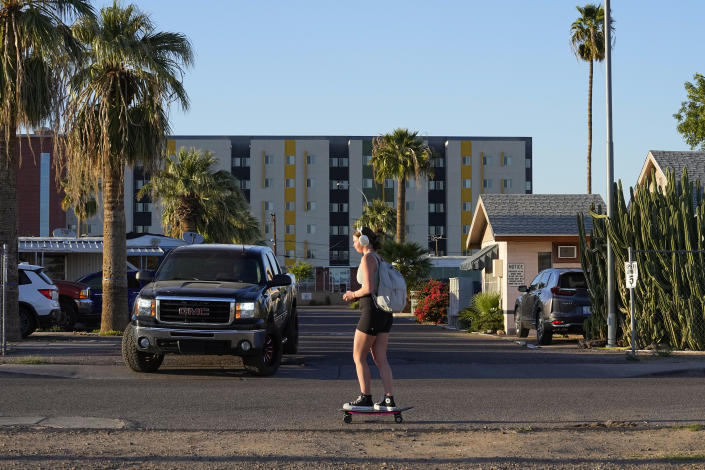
543, 335
521, 331
137, 360
292, 334
27, 322
266, 361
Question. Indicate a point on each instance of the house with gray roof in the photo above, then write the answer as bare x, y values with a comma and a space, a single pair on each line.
519, 235
658, 162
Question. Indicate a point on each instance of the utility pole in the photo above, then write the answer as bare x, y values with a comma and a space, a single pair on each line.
611, 303
274, 232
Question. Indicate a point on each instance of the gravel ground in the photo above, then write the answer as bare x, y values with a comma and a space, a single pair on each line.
602, 446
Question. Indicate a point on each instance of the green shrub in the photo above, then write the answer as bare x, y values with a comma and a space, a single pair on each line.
484, 313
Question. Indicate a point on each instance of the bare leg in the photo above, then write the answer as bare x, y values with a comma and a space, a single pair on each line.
361, 348
379, 354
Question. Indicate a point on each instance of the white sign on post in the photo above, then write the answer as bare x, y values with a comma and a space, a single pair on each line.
631, 274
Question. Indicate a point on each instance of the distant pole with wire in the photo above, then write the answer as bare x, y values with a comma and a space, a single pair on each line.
274, 231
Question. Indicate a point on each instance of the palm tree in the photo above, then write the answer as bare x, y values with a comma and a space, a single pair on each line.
35, 51
400, 155
81, 200
117, 116
379, 217
196, 199
587, 39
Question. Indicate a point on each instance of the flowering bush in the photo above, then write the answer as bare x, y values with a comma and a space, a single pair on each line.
432, 304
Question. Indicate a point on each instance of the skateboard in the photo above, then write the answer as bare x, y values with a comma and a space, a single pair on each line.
347, 418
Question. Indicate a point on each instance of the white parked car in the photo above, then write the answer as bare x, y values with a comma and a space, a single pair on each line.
39, 298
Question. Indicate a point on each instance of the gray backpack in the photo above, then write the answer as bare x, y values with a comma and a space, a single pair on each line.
391, 287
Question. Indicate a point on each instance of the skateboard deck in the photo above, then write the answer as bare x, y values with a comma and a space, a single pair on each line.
347, 417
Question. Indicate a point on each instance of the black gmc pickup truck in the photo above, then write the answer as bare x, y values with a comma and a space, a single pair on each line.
214, 299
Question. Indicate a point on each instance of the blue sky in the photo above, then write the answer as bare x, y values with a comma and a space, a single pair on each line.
500, 68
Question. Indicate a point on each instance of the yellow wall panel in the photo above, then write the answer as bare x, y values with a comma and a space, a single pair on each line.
466, 218
290, 194
290, 217
466, 194
289, 262
466, 148
171, 147
290, 171
289, 147
465, 171
290, 241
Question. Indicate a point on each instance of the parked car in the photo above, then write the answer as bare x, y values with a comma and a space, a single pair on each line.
556, 301
215, 299
38, 299
95, 282
75, 303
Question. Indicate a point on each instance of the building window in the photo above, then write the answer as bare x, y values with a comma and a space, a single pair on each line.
268, 159
507, 184
311, 206
336, 255
436, 207
466, 228
240, 161
244, 184
310, 254
291, 254
528, 163
487, 184
311, 229
389, 183
291, 159
528, 185
339, 184
487, 160
268, 205
467, 206
410, 205
309, 182
467, 161
436, 230
339, 230
310, 159
290, 228
366, 183
507, 160
290, 183
366, 159
467, 183
435, 185
267, 228
268, 183
437, 162
544, 260
339, 207
291, 205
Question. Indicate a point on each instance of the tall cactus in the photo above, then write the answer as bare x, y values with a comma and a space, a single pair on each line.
666, 227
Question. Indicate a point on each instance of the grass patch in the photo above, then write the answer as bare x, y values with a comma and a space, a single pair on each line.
31, 360
662, 352
108, 333
692, 427
684, 458
524, 429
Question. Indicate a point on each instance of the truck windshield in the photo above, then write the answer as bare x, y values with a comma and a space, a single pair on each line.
211, 266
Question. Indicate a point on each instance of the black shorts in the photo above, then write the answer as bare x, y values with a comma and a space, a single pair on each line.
372, 319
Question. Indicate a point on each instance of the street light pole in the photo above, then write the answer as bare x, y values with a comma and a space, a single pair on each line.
611, 316
274, 232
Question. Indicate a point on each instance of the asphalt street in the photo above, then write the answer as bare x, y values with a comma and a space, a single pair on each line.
453, 379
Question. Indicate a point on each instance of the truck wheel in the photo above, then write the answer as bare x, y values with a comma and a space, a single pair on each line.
292, 334
69, 315
27, 322
136, 360
267, 360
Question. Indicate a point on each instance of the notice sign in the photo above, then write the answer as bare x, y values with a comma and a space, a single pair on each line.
631, 274
515, 274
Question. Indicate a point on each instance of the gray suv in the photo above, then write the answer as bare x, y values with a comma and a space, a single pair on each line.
556, 301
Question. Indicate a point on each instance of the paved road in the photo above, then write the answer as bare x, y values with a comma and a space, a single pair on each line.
455, 380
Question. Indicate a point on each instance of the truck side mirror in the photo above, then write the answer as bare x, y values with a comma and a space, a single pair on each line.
279, 280
145, 276
522, 289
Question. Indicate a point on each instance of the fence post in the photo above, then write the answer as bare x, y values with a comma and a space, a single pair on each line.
4, 296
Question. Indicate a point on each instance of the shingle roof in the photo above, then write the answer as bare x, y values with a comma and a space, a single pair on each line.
538, 214
677, 161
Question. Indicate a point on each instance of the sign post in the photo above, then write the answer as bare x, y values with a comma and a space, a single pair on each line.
4, 295
631, 274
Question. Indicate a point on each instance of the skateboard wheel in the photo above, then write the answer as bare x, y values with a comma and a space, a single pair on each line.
347, 419
398, 418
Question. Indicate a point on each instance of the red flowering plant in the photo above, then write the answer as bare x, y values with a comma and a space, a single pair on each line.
432, 302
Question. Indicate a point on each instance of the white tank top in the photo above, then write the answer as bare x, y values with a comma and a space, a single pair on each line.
359, 272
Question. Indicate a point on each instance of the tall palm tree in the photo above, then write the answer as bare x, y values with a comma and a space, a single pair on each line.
35, 50
196, 199
400, 155
587, 39
379, 217
117, 116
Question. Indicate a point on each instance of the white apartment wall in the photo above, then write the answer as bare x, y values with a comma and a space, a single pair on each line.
275, 193
417, 219
319, 193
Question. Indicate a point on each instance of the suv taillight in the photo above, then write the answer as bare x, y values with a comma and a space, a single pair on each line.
48, 293
558, 291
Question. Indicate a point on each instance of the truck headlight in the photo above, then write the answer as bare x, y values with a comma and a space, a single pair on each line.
85, 293
146, 307
245, 310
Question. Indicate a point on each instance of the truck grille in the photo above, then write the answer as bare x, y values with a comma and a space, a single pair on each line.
194, 311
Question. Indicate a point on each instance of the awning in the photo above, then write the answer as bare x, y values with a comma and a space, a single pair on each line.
481, 259
78, 245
